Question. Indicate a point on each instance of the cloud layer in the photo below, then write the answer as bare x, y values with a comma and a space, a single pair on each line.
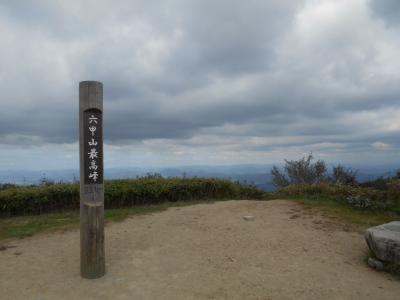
204, 81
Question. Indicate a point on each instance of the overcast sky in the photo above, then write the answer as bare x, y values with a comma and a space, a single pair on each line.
202, 82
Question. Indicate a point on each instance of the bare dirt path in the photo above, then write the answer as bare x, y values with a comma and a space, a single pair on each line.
204, 251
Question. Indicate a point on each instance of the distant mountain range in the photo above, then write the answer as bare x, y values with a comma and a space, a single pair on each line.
258, 175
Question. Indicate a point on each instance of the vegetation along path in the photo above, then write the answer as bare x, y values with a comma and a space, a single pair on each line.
204, 251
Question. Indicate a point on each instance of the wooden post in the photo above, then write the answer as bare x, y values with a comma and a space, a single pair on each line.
91, 178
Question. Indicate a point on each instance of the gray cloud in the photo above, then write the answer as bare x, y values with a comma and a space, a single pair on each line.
388, 10
308, 72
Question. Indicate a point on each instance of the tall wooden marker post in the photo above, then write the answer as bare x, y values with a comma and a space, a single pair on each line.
91, 178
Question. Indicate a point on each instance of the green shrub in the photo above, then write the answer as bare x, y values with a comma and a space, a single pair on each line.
123, 193
393, 192
380, 183
302, 171
307, 189
356, 196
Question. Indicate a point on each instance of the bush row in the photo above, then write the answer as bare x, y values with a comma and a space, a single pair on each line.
122, 193
357, 196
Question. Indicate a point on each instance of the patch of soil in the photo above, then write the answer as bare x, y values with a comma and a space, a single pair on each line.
205, 251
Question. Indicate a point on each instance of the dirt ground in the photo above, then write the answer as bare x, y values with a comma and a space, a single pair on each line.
204, 251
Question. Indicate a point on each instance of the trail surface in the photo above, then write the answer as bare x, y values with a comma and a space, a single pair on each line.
204, 251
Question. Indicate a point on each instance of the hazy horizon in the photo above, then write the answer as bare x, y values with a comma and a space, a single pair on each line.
258, 174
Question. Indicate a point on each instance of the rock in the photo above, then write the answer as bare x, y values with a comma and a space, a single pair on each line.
384, 242
358, 201
249, 218
375, 264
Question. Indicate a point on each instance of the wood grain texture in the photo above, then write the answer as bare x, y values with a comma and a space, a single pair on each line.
91, 196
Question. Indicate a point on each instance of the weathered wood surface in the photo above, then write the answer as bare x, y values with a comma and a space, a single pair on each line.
92, 194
